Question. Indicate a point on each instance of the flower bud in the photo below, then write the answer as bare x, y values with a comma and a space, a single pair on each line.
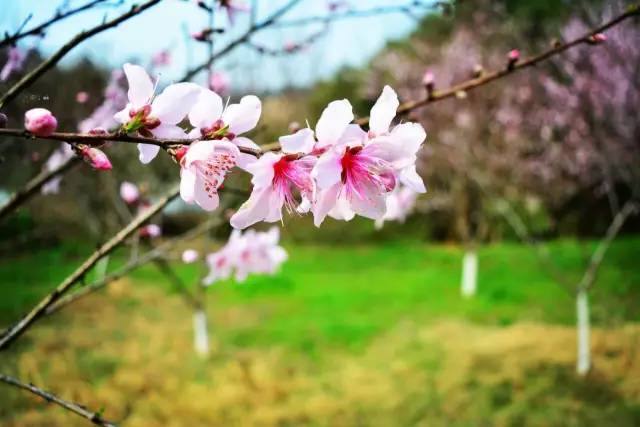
96, 158
190, 256
478, 70
597, 38
514, 56
40, 122
129, 192
3, 120
428, 80
82, 97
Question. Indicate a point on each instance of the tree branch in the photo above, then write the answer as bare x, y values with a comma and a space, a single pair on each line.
94, 417
241, 39
32, 76
36, 312
590, 275
154, 254
39, 30
34, 185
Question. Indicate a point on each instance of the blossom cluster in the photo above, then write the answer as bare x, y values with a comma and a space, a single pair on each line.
251, 252
337, 169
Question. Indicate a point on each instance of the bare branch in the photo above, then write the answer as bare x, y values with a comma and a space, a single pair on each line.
35, 313
241, 39
153, 255
94, 417
590, 275
39, 30
34, 185
32, 76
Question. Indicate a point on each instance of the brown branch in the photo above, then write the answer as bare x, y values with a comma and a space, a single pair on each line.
32, 76
39, 30
36, 312
98, 140
94, 417
590, 275
528, 62
34, 185
241, 39
155, 254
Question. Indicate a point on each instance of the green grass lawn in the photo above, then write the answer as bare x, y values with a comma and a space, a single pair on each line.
346, 294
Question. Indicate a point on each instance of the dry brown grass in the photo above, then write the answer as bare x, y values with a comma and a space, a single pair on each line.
136, 360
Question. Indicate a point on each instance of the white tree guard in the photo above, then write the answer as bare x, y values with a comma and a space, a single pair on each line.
201, 333
469, 274
584, 330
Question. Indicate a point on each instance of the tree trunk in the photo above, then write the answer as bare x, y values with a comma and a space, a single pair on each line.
200, 333
584, 330
469, 273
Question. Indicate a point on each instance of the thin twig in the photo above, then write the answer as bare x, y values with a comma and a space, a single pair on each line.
34, 185
32, 76
39, 30
241, 39
36, 312
94, 417
590, 275
154, 254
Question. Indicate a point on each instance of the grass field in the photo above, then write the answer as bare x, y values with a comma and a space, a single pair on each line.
348, 335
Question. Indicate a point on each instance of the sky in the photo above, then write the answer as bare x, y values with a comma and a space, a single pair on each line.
348, 42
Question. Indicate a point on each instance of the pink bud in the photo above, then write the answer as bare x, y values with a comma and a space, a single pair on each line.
598, 38
82, 97
219, 82
151, 230
294, 127
290, 47
428, 79
40, 122
190, 256
96, 158
129, 192
514, 55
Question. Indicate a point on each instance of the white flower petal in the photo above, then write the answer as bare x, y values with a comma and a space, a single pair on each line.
262, 170
326, 201
147, 152
140, 85
122, 116
409, 177
300, 142
244, 116
254, 210
384, 111
207, 201
166, 131
187, 185
328, 169
206, 110
173, 104
245, 159
333, 122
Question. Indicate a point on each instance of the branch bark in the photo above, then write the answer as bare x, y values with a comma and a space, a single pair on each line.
94, 417
38, 311
34, 185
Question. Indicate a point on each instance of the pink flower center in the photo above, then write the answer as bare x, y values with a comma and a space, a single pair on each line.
142, 122
363, 173
289, 172
218, 130
212, 171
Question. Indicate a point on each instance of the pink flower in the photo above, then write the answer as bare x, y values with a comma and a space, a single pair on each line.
233, 7
400, 203
129, 192
219, 82
154, 117
40, 122
82, 97
150, 231
275, 176
251, 252
190, 256
428, 79
203, 169
355, 175
57, 159
96, 158
14, 63
211, 121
